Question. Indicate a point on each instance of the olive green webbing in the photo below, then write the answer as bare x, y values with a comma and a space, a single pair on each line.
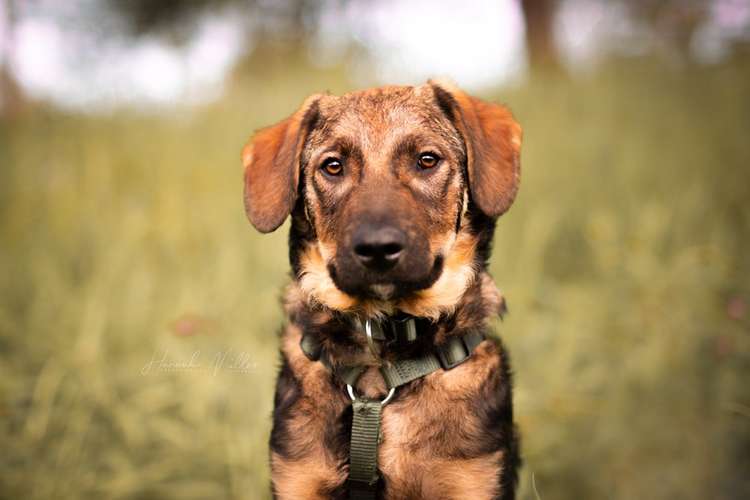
363, 454
404, 371
454, 351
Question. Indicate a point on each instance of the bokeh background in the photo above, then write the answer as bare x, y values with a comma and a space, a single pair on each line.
139, 309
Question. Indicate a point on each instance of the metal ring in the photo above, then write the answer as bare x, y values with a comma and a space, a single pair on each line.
385, 400
370, 340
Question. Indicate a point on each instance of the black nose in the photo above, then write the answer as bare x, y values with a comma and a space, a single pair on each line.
379, 248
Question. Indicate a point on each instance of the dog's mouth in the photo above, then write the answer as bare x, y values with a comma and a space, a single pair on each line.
391, 285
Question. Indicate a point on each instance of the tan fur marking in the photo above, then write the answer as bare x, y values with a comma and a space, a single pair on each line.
444, 295
491, 295
317, 284
312, 376
453, 479
308, 478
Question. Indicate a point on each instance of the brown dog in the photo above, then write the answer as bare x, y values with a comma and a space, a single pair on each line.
393, 194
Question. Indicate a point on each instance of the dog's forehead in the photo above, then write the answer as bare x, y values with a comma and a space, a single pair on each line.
377, 115
380, 107
379, 100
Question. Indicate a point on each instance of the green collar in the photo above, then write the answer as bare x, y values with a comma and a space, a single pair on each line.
451, 353
399, 331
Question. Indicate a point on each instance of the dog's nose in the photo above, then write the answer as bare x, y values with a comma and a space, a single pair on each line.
379, 248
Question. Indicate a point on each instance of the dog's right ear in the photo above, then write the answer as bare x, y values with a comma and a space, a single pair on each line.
271, 159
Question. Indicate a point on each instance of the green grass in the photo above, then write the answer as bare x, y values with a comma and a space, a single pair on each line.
124, 237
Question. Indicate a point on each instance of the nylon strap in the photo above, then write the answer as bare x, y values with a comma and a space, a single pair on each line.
452, 353
363, 454
403, 371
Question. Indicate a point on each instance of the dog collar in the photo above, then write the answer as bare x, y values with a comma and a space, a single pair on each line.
397, 330
451, 353
400, 329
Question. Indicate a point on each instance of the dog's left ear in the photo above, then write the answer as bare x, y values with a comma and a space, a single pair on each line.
272, 161
493, 146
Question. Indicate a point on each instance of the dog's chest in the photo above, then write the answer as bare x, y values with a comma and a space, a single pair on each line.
433, 442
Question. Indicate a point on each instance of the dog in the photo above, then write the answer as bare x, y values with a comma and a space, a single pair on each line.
393, 195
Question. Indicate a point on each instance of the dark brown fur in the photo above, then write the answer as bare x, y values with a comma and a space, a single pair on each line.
449, 434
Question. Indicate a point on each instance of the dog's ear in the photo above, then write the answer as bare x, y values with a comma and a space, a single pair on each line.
272, 161
493, 146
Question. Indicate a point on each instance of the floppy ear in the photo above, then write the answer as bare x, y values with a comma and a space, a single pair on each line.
272, 161
493, 147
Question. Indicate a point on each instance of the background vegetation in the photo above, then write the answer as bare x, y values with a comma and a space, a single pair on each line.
624, 262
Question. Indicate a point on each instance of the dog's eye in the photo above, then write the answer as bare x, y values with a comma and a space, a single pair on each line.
332, 166
428, 160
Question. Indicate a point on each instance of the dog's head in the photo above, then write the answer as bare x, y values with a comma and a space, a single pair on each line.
393, 193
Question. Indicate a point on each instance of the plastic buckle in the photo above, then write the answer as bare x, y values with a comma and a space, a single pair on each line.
449, 349
403, 330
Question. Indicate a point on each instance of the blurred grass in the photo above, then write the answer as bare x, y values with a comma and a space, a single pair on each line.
624, 261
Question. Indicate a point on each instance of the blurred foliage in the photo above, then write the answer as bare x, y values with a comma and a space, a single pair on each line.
144, 16
288, 20
624, 262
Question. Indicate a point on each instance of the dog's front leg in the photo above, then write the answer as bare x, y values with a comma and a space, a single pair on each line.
306, 459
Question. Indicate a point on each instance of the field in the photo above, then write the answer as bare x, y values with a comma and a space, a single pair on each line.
139, 309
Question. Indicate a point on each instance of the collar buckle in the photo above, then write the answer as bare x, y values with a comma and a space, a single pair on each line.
403, 328
400, 329
456, 350
452, 353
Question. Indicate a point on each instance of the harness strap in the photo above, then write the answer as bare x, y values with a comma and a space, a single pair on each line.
365, 435
452, 353
403, 371
363, 453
